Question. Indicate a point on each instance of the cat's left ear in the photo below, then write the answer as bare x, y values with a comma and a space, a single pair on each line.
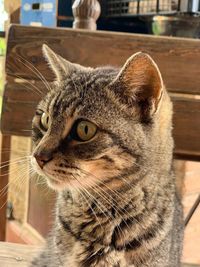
60, 66
140, 83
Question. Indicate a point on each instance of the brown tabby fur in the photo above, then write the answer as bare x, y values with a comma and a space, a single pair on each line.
117, 203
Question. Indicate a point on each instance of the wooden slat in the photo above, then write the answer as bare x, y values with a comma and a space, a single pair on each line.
19, 105
4, 169
40, 206
12, 255
186, 123
178, 58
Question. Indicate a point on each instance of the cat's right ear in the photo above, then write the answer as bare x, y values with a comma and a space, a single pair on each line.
139, 84
60, 66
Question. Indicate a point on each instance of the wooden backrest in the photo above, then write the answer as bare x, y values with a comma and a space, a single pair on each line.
177, 58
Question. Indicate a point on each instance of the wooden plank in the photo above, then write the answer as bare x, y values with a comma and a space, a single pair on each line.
41, 203
178, 58
12, 255
19, 108
186, 123
4, 176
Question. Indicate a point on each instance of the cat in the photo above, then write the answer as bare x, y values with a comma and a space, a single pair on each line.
103, 140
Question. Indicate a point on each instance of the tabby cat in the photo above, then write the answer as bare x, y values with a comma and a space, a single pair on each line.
103, 141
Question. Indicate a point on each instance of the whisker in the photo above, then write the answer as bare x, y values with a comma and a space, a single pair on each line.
119, 211
87, 193
103, 212
18, 160
38, 92
16, 177
13, 181
35, 71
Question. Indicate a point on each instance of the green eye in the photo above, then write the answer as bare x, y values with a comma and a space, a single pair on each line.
44, 121
83, 130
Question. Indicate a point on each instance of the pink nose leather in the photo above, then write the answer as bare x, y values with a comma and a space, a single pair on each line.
42, 158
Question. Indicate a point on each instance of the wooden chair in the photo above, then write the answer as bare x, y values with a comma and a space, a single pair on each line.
177, 58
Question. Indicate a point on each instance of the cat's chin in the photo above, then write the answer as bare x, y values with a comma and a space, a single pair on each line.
56, 185
60, 185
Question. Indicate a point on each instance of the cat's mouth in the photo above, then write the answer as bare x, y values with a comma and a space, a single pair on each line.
56, 181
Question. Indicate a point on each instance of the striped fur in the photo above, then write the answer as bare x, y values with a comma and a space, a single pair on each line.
117, 204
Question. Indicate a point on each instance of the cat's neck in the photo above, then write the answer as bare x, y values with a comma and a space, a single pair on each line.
105, 201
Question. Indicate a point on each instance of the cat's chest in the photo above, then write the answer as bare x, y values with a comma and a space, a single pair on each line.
85, 223
81, 257
88, 238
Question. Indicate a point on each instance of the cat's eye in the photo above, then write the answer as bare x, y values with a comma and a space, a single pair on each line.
83, 130
44, 121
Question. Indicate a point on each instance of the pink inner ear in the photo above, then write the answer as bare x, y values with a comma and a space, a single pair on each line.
142, 78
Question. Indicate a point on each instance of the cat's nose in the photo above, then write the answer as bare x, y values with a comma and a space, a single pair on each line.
43, 157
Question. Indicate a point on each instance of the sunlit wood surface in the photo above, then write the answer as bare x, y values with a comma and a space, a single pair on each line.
16, 255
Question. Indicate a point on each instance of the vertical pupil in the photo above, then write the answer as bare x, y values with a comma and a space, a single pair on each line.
86, 129
47, 120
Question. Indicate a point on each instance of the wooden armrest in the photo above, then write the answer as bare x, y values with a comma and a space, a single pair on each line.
14, 255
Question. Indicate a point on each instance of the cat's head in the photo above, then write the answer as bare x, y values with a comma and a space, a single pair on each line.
95, 123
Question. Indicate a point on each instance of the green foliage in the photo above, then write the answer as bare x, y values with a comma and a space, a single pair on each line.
2, 47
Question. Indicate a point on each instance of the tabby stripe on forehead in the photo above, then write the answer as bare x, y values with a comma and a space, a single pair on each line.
96, 81
75, 106
48, 101
68, 104
54, 103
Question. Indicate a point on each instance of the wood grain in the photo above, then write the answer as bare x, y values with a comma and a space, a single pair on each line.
41, 205
177, 58
4, 169
186, 123
86, 13
12, 255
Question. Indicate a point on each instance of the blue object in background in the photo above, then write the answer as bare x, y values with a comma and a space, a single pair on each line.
39, 12
45, 12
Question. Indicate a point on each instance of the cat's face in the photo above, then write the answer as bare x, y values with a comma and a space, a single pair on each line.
88, 130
